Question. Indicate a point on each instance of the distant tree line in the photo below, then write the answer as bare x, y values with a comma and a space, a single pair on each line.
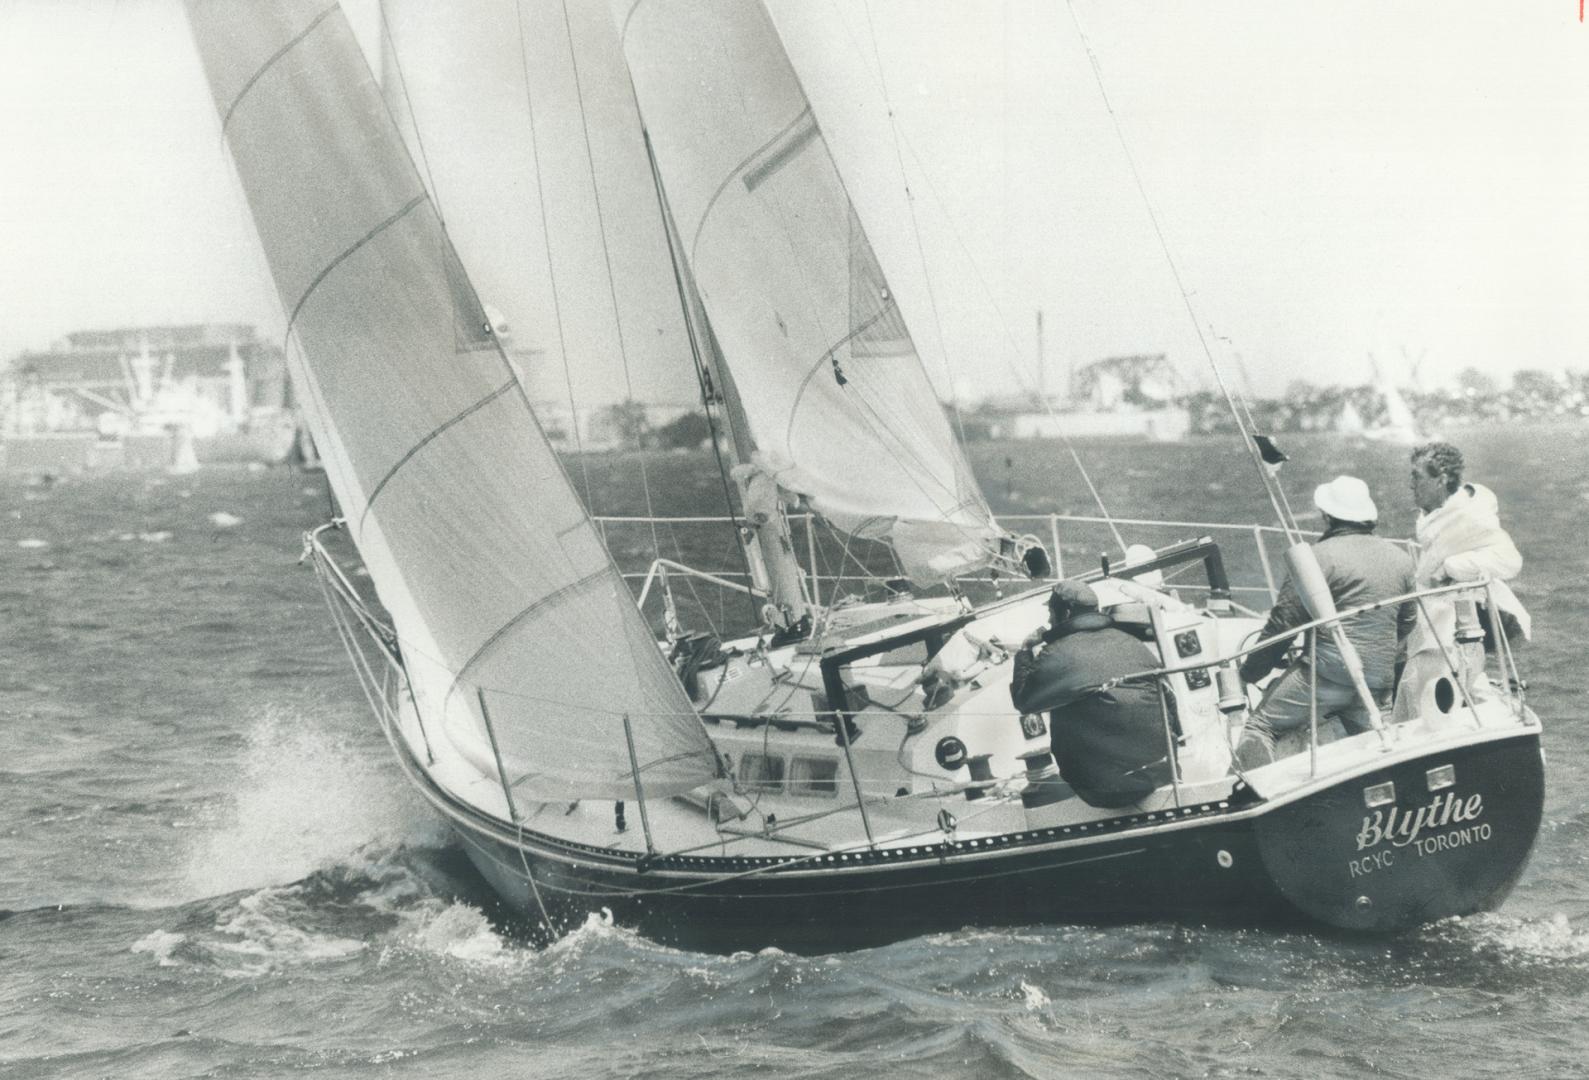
630, 421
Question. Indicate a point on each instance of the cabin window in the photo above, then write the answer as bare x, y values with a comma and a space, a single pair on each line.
814, 776
761, 772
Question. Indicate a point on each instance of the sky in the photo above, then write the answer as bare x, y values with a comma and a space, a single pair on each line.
1295, 186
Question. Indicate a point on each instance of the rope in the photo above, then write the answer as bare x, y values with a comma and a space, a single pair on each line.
915, 228
606, 255
689, 303
1271, 485
551, 269
408, 103
1004, 324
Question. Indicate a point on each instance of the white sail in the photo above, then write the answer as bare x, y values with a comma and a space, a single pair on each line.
1397, 413
1400, 426
521, 115
839, 406
497, 582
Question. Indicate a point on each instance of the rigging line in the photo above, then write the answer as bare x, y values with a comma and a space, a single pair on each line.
410, 648
838, 579
408, 103
551, 271
915, 228
975, 501
1004, 322
689, 583
290, 346
681, 286
606, 255
1245, 410
1269, 482
1252, 427
887, 440
780, 217
807, 119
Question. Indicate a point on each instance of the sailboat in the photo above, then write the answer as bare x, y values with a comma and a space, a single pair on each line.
1399, 426
846, 773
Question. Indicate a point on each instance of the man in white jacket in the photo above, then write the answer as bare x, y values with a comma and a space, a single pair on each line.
1460, 538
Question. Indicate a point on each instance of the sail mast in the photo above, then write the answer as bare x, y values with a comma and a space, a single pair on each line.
834, 392
765, 539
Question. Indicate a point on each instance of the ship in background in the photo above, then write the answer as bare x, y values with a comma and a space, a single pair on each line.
1118, 397
147, 397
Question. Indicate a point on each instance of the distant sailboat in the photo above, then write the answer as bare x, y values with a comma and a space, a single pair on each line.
1350, 421
1399, 426
848, 773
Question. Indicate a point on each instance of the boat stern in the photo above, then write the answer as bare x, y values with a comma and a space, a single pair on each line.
1445, 833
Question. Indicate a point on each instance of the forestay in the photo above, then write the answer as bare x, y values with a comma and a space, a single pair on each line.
493, 573
839, 406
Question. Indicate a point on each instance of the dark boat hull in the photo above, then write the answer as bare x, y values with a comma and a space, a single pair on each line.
1430, 852
1316, 858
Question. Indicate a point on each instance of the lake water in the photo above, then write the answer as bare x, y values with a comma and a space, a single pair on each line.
210, 865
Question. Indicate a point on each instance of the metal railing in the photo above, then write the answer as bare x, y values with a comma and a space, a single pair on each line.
835, 566
376, 655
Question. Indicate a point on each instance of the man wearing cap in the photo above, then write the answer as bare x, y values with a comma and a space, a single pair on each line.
1109, 744
1360, 568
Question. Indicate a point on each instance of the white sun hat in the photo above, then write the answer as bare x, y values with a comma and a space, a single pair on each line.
1346, 498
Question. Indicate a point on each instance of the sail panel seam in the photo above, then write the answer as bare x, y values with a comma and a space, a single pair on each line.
369, 502
403, 212
740, 169
271, 62
550, 598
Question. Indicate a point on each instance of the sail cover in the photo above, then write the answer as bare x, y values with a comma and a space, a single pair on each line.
495, 577
839, 406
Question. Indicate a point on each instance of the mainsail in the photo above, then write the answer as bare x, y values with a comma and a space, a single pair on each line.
497, 582
839, 406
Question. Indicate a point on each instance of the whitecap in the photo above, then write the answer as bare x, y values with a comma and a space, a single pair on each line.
222, 520
463, 933
33, 543
159, 537
1034, 997
306, 800
258, 936
1552, 938
598, 928
160, 944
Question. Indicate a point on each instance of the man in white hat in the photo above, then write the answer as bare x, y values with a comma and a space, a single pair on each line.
1360, 568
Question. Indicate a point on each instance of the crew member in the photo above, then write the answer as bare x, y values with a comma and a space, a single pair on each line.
1110, 744
1360, 568
1460, 538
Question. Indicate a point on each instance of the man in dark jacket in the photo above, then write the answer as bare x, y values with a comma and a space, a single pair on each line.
1360, 568
1110, 744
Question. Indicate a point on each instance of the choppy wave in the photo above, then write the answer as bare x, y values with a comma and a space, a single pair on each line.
1520, 942
304, 799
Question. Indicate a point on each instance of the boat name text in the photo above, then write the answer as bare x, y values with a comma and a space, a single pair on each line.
1399, 827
